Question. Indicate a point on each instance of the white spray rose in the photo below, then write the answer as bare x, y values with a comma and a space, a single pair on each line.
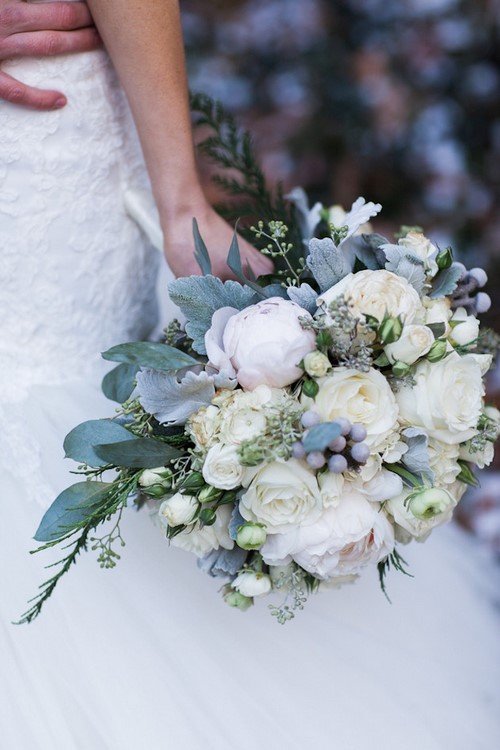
423, 248
203, 427
201, 541
159, 476
382, 486
376, 293
467, 329
443, 461
252, 583
481, 458
436, 311
178, 510
263, 343
446, 399
331, 487
243, 414
222, 467
363, 397
414, 342
281, 495
341, 542
316, 364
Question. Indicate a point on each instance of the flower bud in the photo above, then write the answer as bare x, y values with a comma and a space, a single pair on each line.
316, 364
207, 516
192, 483
178, 510
430, 503
160, 476
310, 388
252, 583
438, 351
390, 330
400, 369
251, 535
208, 494
464, 328
235, 599
444, 258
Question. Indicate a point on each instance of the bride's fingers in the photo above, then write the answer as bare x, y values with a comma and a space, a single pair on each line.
16, 92
18, 17
48, 43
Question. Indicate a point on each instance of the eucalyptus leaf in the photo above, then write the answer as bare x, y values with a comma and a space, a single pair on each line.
223, 562
438, 329
78, 444
118, 383
445, 281
201, 255
138, 453
172, 401
200, 296
320, 435
234, 263
327, 263
152, 354
74, 505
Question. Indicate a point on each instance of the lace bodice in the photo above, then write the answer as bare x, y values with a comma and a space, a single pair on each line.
76, 274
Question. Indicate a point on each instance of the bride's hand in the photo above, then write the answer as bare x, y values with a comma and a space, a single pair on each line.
41, 30
217, 235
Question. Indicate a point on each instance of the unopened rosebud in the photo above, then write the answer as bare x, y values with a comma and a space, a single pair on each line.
209, 494
161, 476
192, 483
444, 258
207, 516
429, 503
235, 599
400, 369
178, 510
251, 535
310, 388
316, 364
438, 350
390, 330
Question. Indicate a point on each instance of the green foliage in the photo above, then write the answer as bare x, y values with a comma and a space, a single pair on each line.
73, 506
118, 383
79, 443
138, 453
150, 354
397, 562
201, 253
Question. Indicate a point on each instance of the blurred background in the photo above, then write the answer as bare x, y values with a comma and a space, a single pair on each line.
395, 100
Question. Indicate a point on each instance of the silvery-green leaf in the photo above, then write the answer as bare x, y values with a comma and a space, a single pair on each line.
320, 435
138, 453
119, 382
305, 296
308, 218
359, 214
405, 264
445, 282
150, 354
327, 263
223, 562
74, 505
78, 444
416, 458
200, 296
234, 263
275, 290
172, 401
366, 250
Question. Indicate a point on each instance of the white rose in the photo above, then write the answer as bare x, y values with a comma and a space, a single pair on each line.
201, 541
316, 364
446, 400
341, 542
409, 525
203, 427
481, 458
414, 342
376, 293
222, 467
362, 397
436, 311
423, 248
282, 495
159, 476
467, 329
443, 461
252, 583
331, 487
263, 343
384, 485
178, 510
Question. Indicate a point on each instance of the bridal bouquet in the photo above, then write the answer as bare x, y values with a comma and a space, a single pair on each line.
296, 428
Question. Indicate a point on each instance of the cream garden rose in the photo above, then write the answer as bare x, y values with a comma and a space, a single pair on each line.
375, 293
414, 342
281, 495
446, 399
363, 398
222, 467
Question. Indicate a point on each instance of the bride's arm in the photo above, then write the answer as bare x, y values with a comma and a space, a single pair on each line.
144, 40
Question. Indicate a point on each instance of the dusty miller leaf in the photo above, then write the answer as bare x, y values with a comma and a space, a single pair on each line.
416, 458
172, 401
305, 296
405, 264
200, 296
445, 282
327, 263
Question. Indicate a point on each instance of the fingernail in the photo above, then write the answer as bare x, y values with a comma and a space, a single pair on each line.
60, 102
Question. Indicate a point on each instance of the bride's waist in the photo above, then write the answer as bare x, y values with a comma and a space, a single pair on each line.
54, 72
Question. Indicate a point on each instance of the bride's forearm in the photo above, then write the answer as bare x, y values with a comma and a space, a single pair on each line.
144, 40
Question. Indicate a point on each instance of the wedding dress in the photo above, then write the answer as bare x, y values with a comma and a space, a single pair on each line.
148, 655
